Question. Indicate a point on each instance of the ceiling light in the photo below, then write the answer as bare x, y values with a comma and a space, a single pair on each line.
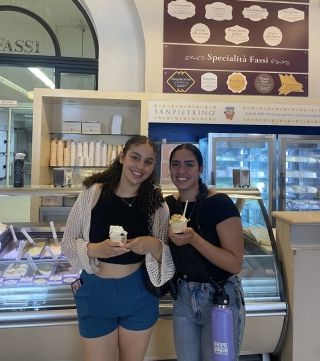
16, 87
40, 75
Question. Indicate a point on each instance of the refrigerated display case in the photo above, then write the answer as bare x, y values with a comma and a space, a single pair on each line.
225, 152
15, 137
37, 308
299, 173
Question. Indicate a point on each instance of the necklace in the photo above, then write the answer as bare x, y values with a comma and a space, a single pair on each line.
129, 204
192, 209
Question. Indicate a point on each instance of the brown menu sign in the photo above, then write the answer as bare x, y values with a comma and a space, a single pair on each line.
236, 47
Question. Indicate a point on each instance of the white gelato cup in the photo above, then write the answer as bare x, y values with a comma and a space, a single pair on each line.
178, 226
118, 238
118, 234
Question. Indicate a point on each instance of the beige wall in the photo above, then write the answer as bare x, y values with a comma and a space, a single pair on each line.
130, 40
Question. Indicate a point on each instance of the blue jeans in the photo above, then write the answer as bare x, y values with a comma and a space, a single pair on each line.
192, 318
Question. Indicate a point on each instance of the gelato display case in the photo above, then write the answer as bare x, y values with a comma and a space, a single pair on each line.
299, 173
37, 306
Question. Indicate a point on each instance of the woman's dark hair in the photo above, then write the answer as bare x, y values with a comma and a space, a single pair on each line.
149, 196
203, 189
193, 149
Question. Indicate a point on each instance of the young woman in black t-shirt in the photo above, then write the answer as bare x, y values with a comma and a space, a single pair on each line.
209, 252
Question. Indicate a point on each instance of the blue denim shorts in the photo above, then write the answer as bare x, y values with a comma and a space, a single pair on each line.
103, 304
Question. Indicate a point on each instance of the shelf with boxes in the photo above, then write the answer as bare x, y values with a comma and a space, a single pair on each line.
81, 129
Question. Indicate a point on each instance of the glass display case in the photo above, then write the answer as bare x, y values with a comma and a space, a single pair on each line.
300, 173
225, 152
35, 290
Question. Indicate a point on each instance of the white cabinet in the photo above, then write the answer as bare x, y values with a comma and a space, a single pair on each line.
55, 107
298, 245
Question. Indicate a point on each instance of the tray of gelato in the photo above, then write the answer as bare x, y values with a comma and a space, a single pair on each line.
52, 251
2, 269
178, 222
34, 250
9, 253
15, 270
12, 254
44, 269
118, 234
62, 268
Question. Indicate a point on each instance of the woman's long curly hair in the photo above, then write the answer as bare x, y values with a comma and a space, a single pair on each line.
149, 196
203, 189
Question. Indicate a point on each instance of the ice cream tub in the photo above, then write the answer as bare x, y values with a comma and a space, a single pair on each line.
178, 222
16, 270
44, 269
118, 234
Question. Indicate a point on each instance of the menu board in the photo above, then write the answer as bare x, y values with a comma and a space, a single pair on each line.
236, 47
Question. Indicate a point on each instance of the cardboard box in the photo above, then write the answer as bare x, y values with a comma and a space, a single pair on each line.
71, 127
91, 128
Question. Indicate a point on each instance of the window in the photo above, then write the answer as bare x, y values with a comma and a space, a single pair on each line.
43, 43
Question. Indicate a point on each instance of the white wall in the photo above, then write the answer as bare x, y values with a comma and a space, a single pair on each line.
130, 39
121, 44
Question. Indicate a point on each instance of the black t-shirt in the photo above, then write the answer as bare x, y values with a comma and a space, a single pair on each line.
188, 261
116, 212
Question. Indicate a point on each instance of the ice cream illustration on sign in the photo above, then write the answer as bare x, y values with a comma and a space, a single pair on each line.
118, 234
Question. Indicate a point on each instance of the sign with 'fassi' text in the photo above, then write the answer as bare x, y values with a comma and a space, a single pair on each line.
19, 46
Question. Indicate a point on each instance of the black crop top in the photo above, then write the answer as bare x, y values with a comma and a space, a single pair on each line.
188, 261
116, 212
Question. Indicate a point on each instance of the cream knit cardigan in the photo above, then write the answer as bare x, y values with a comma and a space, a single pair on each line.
76, 237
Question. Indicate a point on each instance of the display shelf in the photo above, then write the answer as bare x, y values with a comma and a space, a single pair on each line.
39, 190
54, 107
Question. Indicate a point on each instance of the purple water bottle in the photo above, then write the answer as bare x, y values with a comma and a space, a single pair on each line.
222, 328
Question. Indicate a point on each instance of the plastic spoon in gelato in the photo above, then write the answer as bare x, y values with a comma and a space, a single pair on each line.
185, 209
32, 264
19, 252
14, 237
54, 234
49, 251
25, 233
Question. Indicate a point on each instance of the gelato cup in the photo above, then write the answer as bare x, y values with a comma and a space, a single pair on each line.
118, 234
178, 222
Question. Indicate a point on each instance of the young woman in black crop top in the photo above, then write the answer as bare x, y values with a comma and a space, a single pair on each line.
115, 311
207, 253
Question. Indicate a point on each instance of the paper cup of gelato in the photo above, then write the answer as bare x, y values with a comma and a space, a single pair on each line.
178, 222
118, 234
